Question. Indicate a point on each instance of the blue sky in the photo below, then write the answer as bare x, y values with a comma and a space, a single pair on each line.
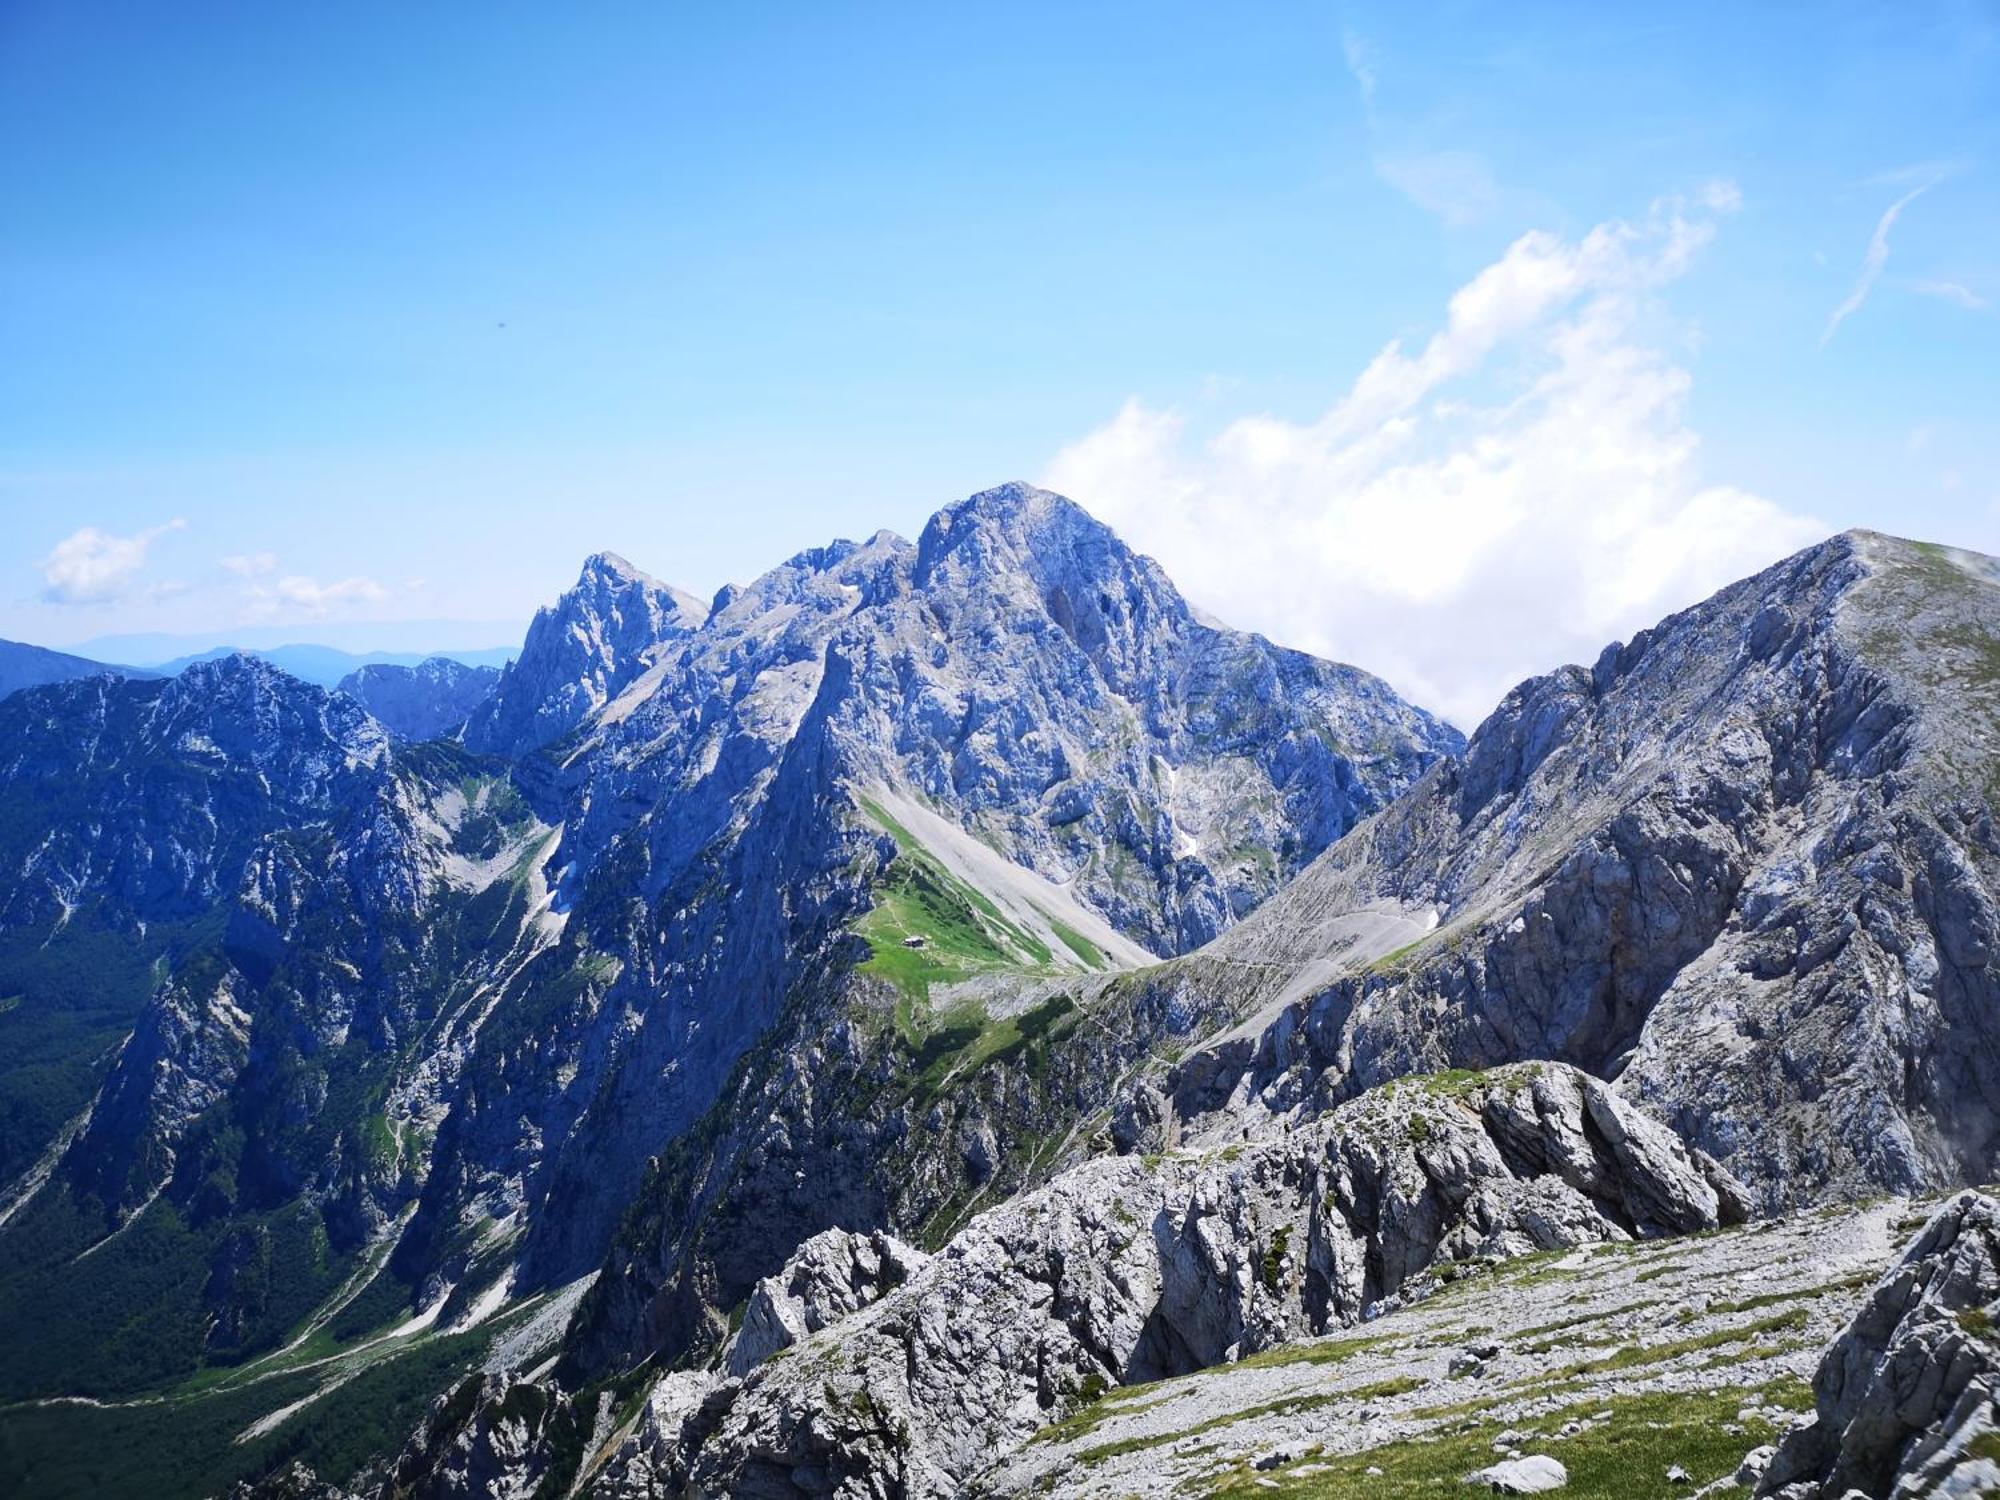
311, 316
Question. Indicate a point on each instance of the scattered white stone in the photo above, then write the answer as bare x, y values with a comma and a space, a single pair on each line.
1755, 1462
1532, 1475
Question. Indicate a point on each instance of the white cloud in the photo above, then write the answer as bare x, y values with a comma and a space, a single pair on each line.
94, 567
1873, 259
1361, 63
1722, 196
1516, 493
295, 594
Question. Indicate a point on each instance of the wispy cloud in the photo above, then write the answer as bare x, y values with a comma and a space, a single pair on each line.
90, 566
1874, 259
1513, 493
1361, 63
1949, 291
1454, 184
295, 595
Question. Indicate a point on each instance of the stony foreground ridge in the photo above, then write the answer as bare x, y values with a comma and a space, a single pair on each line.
1907, 1400
1124, 1271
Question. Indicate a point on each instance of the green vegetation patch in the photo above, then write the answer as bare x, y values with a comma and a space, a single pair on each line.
1326, 1352
1623, 1458
185, 1445
930, 927
1093, 957
967, 1041
1652, 1354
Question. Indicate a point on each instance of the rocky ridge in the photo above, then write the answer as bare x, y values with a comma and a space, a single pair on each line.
1745, 866
1124, 1271
1907, 1399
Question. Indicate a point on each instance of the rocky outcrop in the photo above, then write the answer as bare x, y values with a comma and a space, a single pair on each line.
492, 1439
1130, 1270
1907, 1400
834, 1273
421, 702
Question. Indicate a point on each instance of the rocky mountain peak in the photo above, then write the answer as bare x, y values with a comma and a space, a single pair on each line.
1015, 527
580, 652
241, 708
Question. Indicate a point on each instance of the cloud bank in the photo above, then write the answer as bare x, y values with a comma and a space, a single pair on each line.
1511, 495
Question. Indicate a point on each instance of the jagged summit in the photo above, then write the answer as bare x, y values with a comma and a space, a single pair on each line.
611, 565
579, 653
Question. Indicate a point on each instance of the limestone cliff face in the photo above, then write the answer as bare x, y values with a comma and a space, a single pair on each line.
580, 653
1018, 675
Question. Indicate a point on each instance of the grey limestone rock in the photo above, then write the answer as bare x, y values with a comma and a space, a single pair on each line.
831, 1275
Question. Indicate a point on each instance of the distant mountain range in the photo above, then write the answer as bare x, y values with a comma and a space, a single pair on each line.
326, 666
23, 665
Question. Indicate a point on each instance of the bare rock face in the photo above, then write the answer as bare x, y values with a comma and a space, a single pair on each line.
501, 1451
1129, 1270
1533, 1475
1908, 1398
834, 1273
